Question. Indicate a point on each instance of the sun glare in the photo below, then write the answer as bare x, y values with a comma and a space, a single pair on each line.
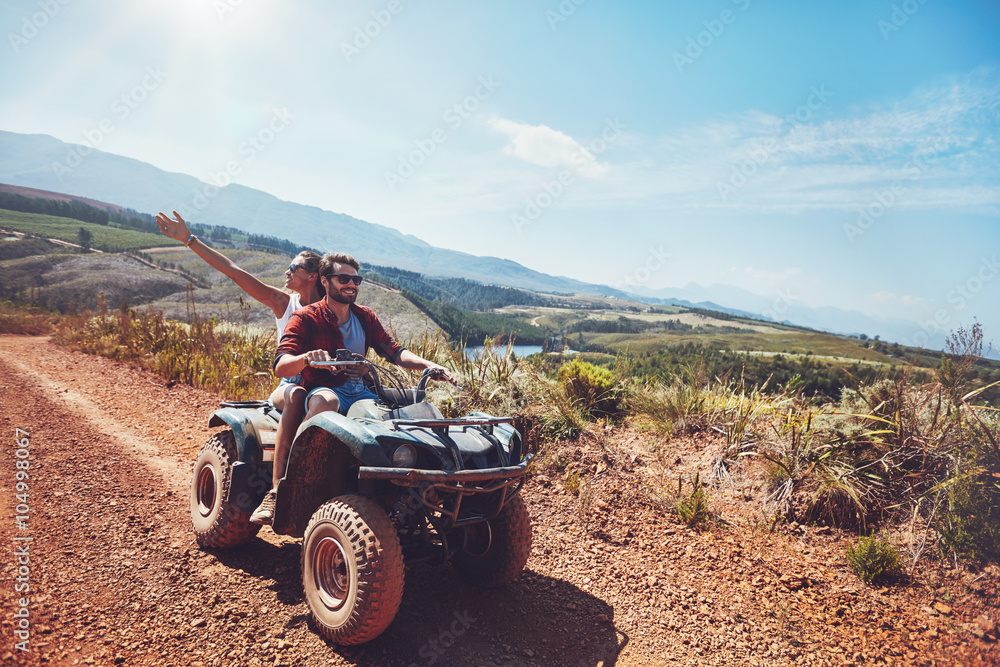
216, 19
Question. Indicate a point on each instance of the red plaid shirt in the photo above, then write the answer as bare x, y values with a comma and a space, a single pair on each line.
314, 327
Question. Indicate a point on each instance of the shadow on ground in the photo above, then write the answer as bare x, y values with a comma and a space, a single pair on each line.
535, 621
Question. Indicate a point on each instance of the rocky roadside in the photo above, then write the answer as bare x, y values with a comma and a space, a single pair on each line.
116, 577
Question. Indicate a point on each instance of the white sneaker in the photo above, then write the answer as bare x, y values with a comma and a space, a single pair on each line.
265, 513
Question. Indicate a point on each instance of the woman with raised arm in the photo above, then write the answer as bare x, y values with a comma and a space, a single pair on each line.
302, 279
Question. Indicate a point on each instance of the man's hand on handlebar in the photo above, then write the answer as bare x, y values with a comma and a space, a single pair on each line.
316, 355
356, 371
354, 368
440, 373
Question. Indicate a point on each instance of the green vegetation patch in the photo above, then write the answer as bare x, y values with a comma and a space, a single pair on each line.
103, 238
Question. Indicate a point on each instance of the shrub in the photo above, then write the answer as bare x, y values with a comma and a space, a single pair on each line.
971, 524
675, 408
692, 510
25, 320
874, 558
572, 482
493, 379
234, 361
560, 417
594, 387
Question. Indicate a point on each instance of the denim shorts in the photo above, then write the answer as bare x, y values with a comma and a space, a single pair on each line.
348, 396
295, 379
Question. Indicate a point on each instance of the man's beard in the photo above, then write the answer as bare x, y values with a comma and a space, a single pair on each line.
340, 298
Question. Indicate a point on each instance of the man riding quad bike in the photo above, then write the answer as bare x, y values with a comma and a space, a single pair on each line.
390, 483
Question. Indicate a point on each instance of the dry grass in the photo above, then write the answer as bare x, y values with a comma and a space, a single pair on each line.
25, 320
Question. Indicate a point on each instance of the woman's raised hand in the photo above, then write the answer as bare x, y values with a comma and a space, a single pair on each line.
175, 229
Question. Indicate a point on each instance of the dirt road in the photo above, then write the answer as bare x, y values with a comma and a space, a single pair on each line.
116, 577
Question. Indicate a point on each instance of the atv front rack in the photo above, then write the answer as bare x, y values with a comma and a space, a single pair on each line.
442, 494
418, 477
447, 423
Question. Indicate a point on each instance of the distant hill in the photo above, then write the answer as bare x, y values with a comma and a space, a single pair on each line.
26, 161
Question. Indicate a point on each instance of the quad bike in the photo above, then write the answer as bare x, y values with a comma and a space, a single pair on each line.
390, 483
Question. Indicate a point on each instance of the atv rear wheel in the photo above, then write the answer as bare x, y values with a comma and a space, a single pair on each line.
496, 550
217, 523
352, 569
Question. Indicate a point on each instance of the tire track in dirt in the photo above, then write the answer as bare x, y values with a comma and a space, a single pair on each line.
117, 578
175, 475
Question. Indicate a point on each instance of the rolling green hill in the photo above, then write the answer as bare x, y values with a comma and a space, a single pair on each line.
102, 237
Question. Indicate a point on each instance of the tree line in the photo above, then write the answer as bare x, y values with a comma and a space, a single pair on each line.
125, 218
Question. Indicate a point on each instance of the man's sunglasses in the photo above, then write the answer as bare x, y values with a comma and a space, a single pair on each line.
344, 278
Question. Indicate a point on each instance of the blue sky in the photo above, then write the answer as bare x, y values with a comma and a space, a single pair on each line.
843, 153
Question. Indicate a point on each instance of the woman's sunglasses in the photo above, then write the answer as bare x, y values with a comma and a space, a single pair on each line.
344, 278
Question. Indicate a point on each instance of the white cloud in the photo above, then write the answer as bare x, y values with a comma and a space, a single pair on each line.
938, 142
546, 147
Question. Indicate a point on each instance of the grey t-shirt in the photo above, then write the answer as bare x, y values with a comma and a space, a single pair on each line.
354, 340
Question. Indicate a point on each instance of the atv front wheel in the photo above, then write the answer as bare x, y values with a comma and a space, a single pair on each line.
496, 550
217, 523
352, 569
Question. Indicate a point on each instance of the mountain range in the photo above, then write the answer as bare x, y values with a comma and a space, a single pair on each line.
43, 162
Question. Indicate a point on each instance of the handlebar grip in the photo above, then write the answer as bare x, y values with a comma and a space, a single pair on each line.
337, 363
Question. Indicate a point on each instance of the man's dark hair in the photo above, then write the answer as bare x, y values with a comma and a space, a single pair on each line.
331, 258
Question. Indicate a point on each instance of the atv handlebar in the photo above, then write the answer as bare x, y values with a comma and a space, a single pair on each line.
347, 359
324, 364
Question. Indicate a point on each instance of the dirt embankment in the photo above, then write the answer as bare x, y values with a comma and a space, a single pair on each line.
116, 577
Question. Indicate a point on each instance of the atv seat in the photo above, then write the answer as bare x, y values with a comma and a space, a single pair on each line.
415, 411
369, 409
397, 398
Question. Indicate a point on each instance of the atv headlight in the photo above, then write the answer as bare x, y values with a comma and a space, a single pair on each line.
405, 456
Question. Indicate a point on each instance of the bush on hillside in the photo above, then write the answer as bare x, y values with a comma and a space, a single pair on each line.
594, 387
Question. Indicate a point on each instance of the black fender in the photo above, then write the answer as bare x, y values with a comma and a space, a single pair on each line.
251, 477
323, 463
246, 426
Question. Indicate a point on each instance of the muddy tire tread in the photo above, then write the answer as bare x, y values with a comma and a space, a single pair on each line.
232, 526
379, 559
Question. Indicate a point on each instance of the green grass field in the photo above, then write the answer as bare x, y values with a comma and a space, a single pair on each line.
783, 342
107, 239
766, 338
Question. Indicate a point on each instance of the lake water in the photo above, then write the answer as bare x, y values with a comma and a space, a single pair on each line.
519, 350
